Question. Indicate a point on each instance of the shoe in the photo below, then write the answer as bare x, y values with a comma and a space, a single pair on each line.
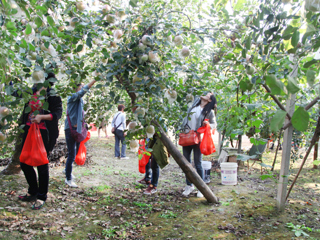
150, 190
71, 183
124, 158
187, 190
38, 204
117, 157
27, 198
143, 181
199, 194
64, 172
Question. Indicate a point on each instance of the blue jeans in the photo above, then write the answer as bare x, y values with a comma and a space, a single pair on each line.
119, 136
152, 164
73, 148
197, 157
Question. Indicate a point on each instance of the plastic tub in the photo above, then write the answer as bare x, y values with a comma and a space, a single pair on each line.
206, 165
229, 173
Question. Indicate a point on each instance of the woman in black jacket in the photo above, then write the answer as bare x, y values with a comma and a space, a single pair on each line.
48, 124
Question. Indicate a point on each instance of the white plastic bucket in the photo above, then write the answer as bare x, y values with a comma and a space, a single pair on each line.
229, 173
206, 166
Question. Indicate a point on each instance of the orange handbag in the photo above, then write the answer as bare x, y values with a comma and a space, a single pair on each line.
188, 139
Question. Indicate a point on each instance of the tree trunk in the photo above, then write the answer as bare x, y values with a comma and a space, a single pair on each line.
315, 155
186, 167
14, 165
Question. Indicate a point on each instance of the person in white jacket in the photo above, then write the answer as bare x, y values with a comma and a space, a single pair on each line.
118, 126
201, 109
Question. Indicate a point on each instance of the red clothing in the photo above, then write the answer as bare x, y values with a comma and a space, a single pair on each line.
35, 104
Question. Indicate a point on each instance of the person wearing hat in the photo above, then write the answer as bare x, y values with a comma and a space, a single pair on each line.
201, 109
48, 124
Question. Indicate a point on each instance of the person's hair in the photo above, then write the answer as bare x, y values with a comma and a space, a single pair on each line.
120, 107
51, 75
209, 106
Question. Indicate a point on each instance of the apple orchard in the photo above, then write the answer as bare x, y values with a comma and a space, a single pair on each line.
157, 56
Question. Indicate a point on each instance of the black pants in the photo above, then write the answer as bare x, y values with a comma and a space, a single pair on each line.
40, 190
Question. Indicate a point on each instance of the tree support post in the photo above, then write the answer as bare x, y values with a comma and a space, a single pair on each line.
186, 167
285, 161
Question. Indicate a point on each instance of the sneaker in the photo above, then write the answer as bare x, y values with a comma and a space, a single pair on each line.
117, 157
38, 204
199, 194
143, 181
124, 158
27, 197
187, 190
150, 190
71, 183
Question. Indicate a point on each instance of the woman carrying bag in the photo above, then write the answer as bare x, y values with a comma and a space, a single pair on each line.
47, 122
74, 123
200, 110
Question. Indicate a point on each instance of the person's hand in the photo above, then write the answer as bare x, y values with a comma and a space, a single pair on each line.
205, 123
125, 133
36, 119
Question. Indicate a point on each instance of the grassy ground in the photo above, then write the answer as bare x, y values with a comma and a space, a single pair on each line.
109, 204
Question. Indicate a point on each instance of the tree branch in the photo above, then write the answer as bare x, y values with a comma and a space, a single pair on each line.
183, 14
276, 100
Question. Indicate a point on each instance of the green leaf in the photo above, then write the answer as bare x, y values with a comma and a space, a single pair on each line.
31, 47
50, 21
287, 32
275, 85
295, 38
257, 123
28, 109
79, 48
317, 162
38, 22
89, 42
311, 76
277, 120
28, 29
133, 3
310, 63
292, 86
248, 43
45, 33
45, 106
300, 119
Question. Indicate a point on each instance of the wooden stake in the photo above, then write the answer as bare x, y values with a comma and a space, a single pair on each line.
186, 167
285, 161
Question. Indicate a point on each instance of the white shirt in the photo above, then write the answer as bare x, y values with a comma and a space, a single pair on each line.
194, 118
120, 121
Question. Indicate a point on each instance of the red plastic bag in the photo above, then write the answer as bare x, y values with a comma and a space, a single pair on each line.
33, 152
144, 157
82, 152
206, 146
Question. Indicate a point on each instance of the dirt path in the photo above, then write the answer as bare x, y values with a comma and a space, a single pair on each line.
110, 205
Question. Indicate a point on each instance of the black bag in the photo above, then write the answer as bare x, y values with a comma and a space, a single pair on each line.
113, 130
78, 137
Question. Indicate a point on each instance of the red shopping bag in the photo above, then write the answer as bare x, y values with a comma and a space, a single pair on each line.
33, 152
206, 146
144, 157
82, 152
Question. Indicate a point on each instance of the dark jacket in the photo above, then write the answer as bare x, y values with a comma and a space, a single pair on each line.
159, 152
54, 108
